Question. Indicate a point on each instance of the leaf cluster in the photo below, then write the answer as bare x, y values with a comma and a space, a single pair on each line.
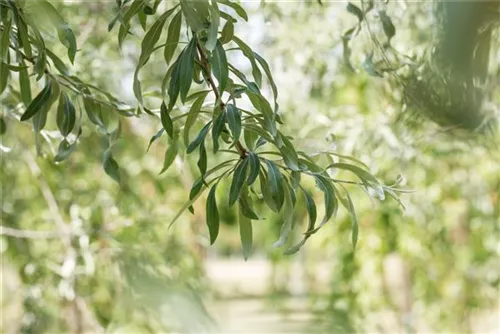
200, 89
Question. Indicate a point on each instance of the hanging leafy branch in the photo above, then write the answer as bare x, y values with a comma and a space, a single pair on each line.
268, 166
447, 85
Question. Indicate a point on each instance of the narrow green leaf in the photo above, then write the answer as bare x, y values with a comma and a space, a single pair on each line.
212, 215
252, 86
291, 191
94, 112
354, 218
156, 4
66, 115
137, 89
368, 179
111, 24
358, 171
369, 6
346, 157
311, 210
330, 199
355, 10
64, 150
148, 10
266, 192
41, 58
236, 7
192, 18
24, 83
292, 158
258, 131
260, 142
202, 161
392, 194
54, 95
233, 117
214, 26
248, 53
295, 179
202, 9
40, 8
38, 102
275, 183
307, 163
196, 189
147, 46
227, 17
143, 19
4, 76
286, 228
199, 139
197, 94
111, 166
67, 38
22, 32
154, 138
174, 85
5, 40
166, 120
129, 12
387, 25
254, 163
15, 68
262, 105
58, 63
186, 68
265, 66
227, 32
369, 67
219, 66
245, 205
39, 121
194, 111
188, 204
3, 126
170, 155
174, 31
239, 177
219, 124
250, 138
294, 249
246, 235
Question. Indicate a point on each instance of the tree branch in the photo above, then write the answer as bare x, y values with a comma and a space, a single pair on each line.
205, 65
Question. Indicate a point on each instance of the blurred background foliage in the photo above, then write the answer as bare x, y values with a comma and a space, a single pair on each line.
80, 254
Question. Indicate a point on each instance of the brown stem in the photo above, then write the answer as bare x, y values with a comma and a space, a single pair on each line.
208, 75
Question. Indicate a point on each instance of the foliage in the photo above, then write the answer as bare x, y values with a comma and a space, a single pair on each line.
104, 258
449, 83
426, 256
267, 153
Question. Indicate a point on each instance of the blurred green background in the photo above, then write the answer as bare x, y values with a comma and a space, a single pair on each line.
81, 254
